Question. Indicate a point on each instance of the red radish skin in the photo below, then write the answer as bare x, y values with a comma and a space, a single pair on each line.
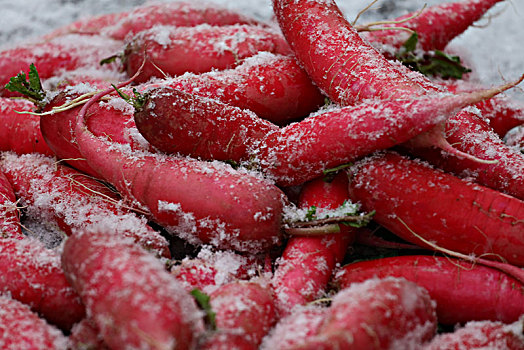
377, 314
128, 294
56, 56
481, 335
199, 201
452, 283
274, 87
33, 275
182, 14
85, 335
20, 133
307, 263
515, 139
471, 134
226, 340
172, 51
58, 194
244, 308
9, 212
436, 26
20, 328
461, 216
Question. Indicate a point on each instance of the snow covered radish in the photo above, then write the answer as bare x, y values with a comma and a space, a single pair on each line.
9, 212
172, 51
20, 133
201, 202
56, 194
435, 26
481, 335
132, 299
452, 283
181, 14
20, 328
32, 274
416, 202
307, 263
85, 335
274, 87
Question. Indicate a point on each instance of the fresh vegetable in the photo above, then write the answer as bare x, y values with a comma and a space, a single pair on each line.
20, 328
172, 51
422, 205
32, 274
452, 283
9, 210
141, 305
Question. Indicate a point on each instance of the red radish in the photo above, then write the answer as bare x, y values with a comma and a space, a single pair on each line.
128, 294
436, 26
85, 335
226, 340
413, 200
20, 328
306, 265
182, 14
54, 57
9, 213
515, 139
376, 314
20, 133
300, 151
452, 283
469, 133
169, 50
61, 195
32, 274
296, 328
244, 308
212, 269
272, 86
201, 202
481, 335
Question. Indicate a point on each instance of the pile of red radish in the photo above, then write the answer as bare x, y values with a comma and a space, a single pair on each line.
182, 176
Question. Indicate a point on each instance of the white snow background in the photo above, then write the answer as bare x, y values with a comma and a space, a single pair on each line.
495, 52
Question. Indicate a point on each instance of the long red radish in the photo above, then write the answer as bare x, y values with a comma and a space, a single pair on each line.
307, 263
244, 308
199, 201
182, 14
469, 133
20, 328
132, 299
168, 50
384, 313
435, 26
20, 133
452, 283
481, 335
32, 274
274, 87
413, 200
9, 211
300, 151
69, 199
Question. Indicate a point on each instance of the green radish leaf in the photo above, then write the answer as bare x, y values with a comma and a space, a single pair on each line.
109, 59
137, 101
411, 44
311, 213
29, 86
204, 301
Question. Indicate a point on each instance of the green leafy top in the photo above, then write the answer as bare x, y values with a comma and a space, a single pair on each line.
435, 63
29, 86
203, 300
137, 101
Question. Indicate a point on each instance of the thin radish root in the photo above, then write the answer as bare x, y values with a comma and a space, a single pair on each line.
369, 27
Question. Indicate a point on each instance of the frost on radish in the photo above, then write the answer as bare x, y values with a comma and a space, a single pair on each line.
9, 210
452, 283
32, 274
431, 208
20, 328
86, 336
70, 200
128, 294
172, 51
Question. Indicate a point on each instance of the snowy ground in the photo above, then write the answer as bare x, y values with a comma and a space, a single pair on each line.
495, 52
